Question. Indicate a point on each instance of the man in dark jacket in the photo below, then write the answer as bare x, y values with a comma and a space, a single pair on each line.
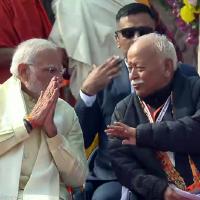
105, 86
156, 130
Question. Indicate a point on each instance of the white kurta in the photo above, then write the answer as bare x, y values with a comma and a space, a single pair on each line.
60, 157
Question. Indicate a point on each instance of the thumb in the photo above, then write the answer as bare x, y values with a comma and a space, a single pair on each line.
94, 66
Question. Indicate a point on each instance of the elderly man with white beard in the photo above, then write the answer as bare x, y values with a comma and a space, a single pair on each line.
41, 143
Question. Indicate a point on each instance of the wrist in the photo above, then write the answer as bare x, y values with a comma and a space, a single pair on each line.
27, 125
51, 132
31, 121
88, 91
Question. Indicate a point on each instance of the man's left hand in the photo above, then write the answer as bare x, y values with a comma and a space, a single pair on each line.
122, 131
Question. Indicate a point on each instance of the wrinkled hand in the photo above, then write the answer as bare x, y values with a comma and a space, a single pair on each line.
43, 112
49, 126
122, 131
171, 194
100, 76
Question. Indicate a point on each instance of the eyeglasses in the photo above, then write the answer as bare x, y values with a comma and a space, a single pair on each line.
131, 31
51, 69
54, 70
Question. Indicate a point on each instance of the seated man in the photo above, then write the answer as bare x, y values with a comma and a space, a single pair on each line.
155, 135
41, 140
105, 86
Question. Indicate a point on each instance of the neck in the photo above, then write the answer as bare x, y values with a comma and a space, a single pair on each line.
159, 97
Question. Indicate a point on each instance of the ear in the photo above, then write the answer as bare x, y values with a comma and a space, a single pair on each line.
168, 68
23, 71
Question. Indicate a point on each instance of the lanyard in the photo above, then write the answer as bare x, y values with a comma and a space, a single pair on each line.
175, 177
161, 114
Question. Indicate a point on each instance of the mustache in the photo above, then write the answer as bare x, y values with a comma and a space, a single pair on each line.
137, 81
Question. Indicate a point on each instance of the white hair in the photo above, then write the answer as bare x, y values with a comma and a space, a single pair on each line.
163, 47
27, 51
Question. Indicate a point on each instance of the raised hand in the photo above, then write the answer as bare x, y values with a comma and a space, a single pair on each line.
100, 76
43, 112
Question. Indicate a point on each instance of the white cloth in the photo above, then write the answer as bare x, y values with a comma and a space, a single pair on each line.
125, 193
85, 28
60, 156
88, 100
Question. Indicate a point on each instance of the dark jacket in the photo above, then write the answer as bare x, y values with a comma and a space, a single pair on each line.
137, 167
94, 119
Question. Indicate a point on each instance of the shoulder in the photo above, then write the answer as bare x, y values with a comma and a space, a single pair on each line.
188, 70
123, 104
189, 85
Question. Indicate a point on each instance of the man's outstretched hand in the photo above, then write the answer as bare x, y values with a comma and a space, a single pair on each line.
122, 131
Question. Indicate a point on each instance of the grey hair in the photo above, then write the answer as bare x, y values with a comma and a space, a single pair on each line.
27, 51
163, 46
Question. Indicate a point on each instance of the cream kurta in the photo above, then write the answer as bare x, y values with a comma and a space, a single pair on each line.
31, 147
60, 156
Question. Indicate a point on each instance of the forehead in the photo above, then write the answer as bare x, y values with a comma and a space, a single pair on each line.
140, 19
142, 51
48, 56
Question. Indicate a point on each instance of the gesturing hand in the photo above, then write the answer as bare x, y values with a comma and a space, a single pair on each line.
100, 76
43, 112
49, 125
120, 130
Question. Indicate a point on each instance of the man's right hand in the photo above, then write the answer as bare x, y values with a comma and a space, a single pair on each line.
101, 76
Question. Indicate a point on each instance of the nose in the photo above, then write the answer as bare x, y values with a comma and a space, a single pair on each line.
133, 74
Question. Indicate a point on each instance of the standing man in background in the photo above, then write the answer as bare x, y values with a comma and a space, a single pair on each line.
20, 20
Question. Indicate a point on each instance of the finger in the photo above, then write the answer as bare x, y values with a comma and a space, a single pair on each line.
112, 70
94, 66
120, 124
51, 112
55, 94
117, 129
115, 124
41, 95
110, 61
51, 83
113, 75
55, 84
126, 142
111, 132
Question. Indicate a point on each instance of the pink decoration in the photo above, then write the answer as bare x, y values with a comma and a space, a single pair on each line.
190, 29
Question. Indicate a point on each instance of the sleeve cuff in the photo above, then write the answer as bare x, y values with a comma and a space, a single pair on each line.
88, 100
143, 134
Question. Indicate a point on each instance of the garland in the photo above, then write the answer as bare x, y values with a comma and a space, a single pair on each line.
187, 18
